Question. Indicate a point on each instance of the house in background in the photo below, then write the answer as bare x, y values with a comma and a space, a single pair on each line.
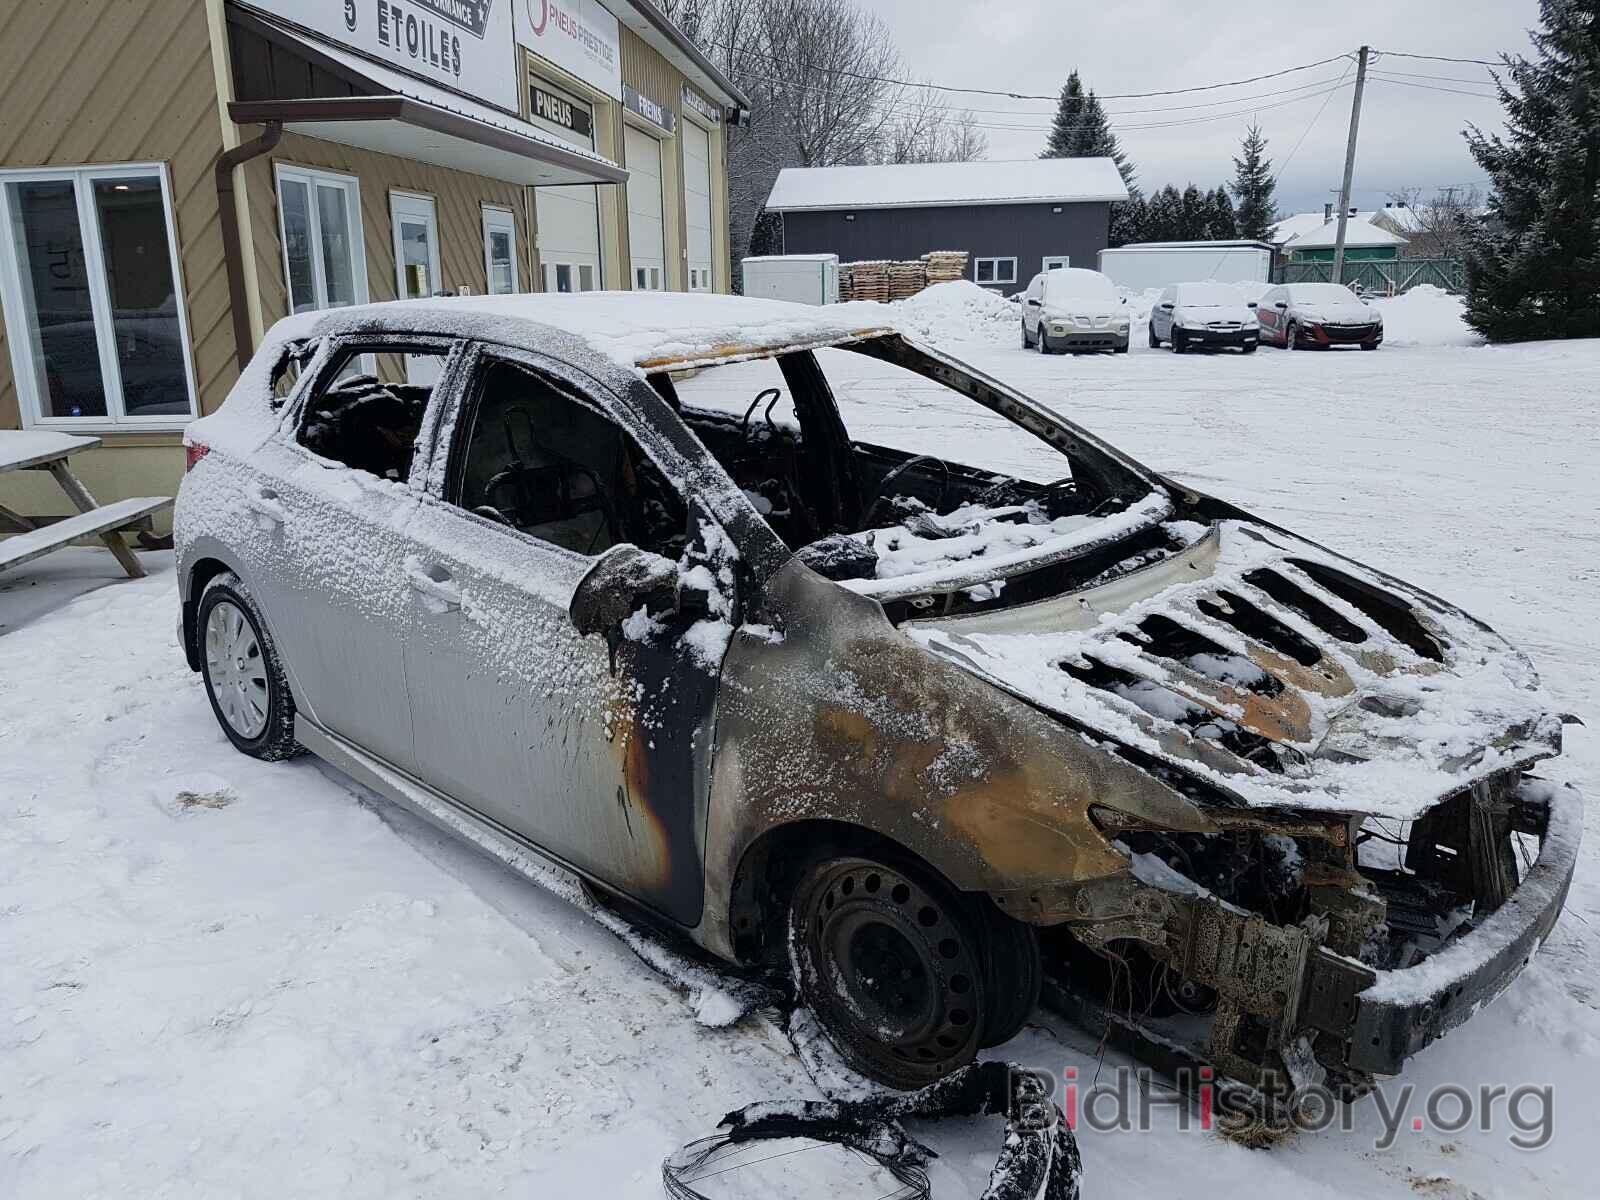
1363, 242
176, 175
1014, 219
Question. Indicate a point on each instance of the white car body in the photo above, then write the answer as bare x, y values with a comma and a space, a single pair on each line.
1075, 310
1204, 314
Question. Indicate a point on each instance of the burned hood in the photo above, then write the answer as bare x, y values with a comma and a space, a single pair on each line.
1277, 673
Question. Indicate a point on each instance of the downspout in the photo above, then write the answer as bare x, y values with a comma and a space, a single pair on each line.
232, 253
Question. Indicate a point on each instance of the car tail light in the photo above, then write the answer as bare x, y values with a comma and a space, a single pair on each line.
193, 452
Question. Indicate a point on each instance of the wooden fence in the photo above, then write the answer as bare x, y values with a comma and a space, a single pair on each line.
1385, 278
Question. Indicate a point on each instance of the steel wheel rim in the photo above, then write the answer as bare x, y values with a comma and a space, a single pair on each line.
236, 671
867, 917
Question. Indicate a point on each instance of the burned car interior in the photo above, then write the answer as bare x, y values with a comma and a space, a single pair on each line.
857, 509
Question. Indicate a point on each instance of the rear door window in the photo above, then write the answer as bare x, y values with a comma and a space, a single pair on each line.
364, 415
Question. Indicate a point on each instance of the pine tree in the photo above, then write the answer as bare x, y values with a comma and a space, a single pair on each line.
1164, 219
1253, 185
1130, 222
1080, 129
1533, 268
1192, 213
1221, 222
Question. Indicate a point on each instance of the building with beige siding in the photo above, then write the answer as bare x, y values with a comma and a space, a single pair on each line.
176, 175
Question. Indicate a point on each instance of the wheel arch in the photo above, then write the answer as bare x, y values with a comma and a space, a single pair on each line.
201, 572
771, 865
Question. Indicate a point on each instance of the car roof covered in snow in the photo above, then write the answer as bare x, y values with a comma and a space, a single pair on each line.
943, 185
646, 331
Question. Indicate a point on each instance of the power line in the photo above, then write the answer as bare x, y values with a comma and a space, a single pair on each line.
1482, 62
1445, 78
1428, 88
943, 87
1282, 167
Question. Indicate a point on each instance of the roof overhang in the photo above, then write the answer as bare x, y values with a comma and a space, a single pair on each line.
407, 127
666, 39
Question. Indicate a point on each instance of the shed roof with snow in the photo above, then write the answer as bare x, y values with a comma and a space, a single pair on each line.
941, 185
1358, 232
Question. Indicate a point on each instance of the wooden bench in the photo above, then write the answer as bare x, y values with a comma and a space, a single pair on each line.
47, 450
24, 547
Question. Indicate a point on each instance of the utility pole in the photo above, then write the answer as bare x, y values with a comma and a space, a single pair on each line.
1349, 165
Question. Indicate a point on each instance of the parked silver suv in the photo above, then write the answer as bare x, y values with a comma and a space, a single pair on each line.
607, 580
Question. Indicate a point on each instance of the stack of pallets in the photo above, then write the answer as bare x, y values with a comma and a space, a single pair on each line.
906, 279
944, 265
868, 280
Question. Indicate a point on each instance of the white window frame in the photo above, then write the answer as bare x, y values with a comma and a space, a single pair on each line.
11, 297
1056, 262
977, 273
497, 219
417, 206
311, 177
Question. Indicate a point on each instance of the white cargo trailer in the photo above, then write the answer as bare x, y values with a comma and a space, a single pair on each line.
1144, 265
803, 278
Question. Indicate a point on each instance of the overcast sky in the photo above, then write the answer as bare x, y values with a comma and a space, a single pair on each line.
1410, 136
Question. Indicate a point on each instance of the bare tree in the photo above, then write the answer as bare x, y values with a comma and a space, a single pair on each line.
1438, 227
821, 76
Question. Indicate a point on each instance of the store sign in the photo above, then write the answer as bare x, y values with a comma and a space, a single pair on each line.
558, 110
698, 104
461, 44
579, 36
641, 105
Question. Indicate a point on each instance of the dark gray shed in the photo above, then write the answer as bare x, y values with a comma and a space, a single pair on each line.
1014, 219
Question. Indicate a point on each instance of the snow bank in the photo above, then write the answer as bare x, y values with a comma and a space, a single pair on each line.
956, 311
1426, 316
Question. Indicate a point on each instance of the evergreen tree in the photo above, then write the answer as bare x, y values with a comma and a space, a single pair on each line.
1080, 129
1533, 269
1253, 185
1221, 222
1164, 216
1193, 211
1130, 222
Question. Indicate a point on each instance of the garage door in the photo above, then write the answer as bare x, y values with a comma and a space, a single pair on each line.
697, 204
646, 230
568, 217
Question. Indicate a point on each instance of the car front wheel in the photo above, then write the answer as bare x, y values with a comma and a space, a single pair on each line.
891, 962
244, 678
1291, 337
1155, 342
1027, 342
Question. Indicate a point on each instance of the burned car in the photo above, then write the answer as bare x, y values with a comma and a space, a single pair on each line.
846, 661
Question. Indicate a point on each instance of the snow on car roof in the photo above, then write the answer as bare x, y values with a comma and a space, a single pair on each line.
647, 331
933, 185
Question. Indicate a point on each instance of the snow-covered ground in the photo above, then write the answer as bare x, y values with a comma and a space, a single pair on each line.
224, 978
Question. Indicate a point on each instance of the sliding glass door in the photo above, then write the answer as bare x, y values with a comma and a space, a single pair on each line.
89, 278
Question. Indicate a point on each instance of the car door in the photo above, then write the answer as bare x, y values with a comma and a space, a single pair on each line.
335, 501
1032, 300
1161, 315
1269, 316
594, 750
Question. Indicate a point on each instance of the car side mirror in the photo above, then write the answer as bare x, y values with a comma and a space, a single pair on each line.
1282, 306
622, 580
1124, 299
1252, 304
1167, 307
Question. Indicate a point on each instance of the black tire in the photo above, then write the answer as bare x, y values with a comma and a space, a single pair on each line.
1179, 345
1122, 349
1013, 976
1043, 339
1369, 345
890, 960
275, 739
1250, 347
1027, 342
1155, 342
1291, 337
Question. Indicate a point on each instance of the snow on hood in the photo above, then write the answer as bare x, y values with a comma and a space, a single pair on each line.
1355, 311
1206, 313
1359, 720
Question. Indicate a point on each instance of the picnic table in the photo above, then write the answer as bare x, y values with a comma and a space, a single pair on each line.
47, 450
